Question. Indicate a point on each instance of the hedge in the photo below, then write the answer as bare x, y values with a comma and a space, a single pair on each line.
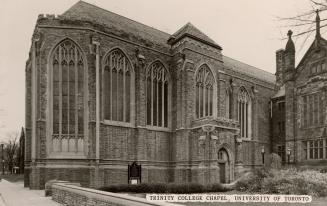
165, 188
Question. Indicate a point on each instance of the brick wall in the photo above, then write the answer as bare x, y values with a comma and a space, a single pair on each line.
165, 154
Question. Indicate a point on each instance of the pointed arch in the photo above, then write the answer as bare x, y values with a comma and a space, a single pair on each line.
205, 85
118, 78
244, 113
225, 155
157, 94
67, 75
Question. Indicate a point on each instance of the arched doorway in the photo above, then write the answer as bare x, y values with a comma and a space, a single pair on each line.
224, 166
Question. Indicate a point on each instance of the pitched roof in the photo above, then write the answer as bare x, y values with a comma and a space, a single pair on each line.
248, 70
190, 30
84, 10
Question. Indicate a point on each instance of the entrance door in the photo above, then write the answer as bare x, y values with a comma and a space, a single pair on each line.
222, 175
224, 167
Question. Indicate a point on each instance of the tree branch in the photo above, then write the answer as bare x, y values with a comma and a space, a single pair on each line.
305, 32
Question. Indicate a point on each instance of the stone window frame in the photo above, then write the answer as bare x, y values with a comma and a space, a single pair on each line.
165, 77
315, 149
244, 113
311, 116
197, 94
106, 121
49, 133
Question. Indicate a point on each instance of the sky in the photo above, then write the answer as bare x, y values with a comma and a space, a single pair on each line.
247, 30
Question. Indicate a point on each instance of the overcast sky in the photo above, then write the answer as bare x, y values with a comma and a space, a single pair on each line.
247, 30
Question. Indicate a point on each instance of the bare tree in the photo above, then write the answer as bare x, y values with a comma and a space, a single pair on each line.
11, 149
304, 23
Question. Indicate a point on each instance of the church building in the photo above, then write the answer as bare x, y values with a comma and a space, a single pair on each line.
104, 92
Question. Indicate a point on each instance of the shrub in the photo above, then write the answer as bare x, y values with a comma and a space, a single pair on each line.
290, 181
216, 187
165, 188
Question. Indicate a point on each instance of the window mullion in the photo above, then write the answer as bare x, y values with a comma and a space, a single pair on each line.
242, 118
200, 90
152, 93
76, 99
124, 92
117, 91
246, 119
163, 98
60, 98
110, 88
204, 99
68, 98
157, 97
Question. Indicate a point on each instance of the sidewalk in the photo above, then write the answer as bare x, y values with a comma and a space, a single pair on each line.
14, 194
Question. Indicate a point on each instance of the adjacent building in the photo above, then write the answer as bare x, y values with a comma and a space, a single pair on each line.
299, 106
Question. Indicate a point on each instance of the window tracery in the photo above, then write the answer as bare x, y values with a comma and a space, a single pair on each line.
157, 84
67, 97
204, 92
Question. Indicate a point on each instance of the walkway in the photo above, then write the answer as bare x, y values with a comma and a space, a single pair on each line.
14, 194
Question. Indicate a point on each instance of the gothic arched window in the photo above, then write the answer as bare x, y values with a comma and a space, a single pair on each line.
68, 68
244, 113
157, 85
204, 92
117, 87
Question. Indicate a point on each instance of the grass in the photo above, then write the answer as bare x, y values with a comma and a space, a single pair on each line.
13, 177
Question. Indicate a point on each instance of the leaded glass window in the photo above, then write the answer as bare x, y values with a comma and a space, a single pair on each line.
157, 85
67, 97
204, 92
117, 87
244, 113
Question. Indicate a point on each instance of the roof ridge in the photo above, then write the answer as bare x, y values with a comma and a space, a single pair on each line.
117, 15
248, 64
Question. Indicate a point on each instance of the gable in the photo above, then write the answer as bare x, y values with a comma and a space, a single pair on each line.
313, 64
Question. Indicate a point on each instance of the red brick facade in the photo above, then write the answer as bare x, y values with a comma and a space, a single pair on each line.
185, 151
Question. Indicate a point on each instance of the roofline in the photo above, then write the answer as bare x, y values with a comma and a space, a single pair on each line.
117, 15
172, 40
249, 65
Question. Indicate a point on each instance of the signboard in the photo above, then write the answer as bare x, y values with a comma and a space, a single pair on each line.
134, 173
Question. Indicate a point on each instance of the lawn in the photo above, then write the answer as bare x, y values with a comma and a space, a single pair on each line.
13, 177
